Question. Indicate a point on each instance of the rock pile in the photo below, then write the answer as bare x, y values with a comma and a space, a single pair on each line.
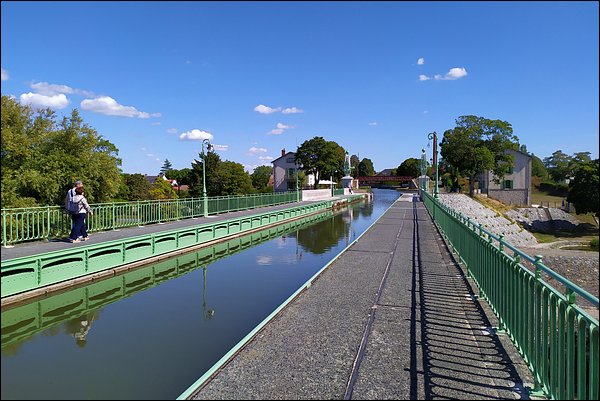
490, 220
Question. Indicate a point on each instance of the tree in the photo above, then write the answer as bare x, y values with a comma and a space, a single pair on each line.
477, 144
42, 158
365, 168
559, 166
183, 176
234, 179
138, 187
260, 177
354, 162
410, 167
167, 165
213, 186
321, 158
583, 189
162, 189
537, 168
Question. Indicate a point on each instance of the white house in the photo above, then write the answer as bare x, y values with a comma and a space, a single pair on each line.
284, 173
515, 188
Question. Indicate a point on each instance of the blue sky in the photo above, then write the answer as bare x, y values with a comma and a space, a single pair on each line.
154, 78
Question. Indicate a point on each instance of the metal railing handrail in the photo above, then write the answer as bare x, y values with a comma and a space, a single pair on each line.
51, 221
536, 262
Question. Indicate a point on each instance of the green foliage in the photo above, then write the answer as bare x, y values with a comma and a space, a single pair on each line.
166, 167
559, 166
321, 158
183, 176
365, 168
354, 162
134, 187
477, 144
537, 168
222, 177
594, 244
42, 158
410, 167
162, 189
260, 177
583, 191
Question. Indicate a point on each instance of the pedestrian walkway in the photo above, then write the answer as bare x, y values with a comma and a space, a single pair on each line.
37, 247
392, 318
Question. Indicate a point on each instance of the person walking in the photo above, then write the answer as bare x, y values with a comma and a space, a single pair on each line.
79, 231
72, 208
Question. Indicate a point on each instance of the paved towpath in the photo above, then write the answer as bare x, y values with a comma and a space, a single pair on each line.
392, 318
37, 247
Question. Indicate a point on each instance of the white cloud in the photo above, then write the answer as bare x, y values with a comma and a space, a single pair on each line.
223, 148
453, 74
265, 158
292, 110
195, 135
156, 123
4, 75
47, 89
262, 109
109, 106
172, 130
421, 61
254, 150
374, 123
424, 78
277, 131
283, 126
36, 100
156, 115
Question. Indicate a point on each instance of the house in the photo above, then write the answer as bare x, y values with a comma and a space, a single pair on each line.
284, 173
515, 187
152, 179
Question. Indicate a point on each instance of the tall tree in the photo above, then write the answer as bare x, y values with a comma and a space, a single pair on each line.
162, 189
260, 177
167, 165
410, 167
537, 168
321, 158
213, 186
42, 158
583, 189
477, 144
559, 166
137, 187
234, 179
365, 168
354, 162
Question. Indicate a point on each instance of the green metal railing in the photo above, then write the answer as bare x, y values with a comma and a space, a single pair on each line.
35, 223
556, 337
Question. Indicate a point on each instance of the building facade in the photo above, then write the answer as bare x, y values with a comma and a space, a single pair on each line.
284, 173
515, 187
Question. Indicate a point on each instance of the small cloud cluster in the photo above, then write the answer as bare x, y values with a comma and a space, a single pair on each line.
109, 106
195, 135
452, 75
172, 130
262, 109
421, 61
373, 124
254, 150
4, 75
280, 128
222, 148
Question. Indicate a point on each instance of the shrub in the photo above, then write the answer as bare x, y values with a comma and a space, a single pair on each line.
594, 244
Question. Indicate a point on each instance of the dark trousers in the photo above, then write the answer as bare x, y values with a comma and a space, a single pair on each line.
78, 229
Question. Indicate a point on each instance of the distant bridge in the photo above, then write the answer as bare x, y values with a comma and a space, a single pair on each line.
382, 179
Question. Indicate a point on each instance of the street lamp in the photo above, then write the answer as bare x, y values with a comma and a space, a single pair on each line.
433, 136
209, 147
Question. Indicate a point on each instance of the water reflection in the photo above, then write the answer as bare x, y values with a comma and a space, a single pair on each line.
77, 309
153, 331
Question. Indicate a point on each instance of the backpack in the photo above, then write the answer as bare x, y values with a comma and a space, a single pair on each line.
72, 207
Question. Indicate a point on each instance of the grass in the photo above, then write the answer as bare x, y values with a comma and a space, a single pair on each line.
493, 204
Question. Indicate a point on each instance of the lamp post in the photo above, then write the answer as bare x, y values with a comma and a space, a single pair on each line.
433, 136
424, 186
209, 147
297, 191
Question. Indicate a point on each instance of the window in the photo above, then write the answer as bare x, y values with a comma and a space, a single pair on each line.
507, 184
291, 172
290, 160
510, 170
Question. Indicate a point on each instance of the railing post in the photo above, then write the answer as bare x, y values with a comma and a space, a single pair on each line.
501, 241
113, 215
48, 220
538, 269
4, 242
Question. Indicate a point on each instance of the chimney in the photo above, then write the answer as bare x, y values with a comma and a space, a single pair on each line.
283, 152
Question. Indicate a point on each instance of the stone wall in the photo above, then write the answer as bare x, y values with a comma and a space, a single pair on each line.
510, 196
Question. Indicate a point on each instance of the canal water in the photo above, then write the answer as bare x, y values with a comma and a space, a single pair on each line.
152, 332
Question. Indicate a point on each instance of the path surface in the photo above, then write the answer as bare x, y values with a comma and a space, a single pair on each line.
392, 318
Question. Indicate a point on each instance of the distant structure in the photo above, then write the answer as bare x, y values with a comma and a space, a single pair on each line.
515, 188
284, 173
